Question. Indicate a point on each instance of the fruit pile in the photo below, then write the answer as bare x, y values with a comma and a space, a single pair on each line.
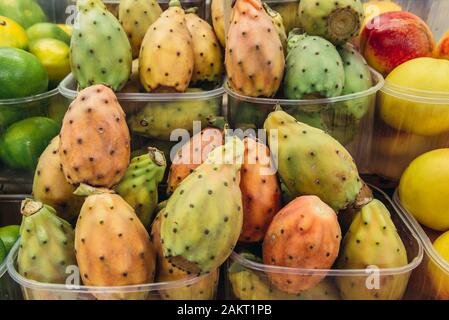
413, 110
423, 193
34, 58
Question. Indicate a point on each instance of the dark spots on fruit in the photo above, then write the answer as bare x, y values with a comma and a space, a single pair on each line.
120, 235
358, 241
206, 231
125, 274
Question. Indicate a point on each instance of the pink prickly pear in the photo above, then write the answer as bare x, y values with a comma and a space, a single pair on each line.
305, 234
254, 53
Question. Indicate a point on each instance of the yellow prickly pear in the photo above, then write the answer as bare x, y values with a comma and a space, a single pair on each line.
166, 58
217, 12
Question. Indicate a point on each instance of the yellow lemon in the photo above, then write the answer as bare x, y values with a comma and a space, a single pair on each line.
54, 55
424, 189
416, 115
12, 34
68, 29
439, 277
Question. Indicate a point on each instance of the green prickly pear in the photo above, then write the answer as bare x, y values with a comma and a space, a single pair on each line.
46, 244
198, 229
166, 58
50, 185
208, 57
157, 120
203, 288
279, 25
136, 16
305, 234
310, 162
112, 246
100, 50
254, 53
372, 241
139, 186
314, 69
336, 21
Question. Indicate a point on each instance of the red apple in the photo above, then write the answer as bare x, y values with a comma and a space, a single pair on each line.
393, 38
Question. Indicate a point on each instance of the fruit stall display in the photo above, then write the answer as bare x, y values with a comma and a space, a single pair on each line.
249, 279
410, 49
428, 213
9, 233
117, 212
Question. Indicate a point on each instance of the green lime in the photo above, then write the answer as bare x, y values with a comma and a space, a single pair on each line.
3, 252
9, 236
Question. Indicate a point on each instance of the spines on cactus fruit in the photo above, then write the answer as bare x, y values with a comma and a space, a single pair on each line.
278, 22
217, 13
336, 21
166, 57
314, 69
46, 244
202, 289
305, 234
139, 186
112, 246
94, 143
100, 50
208, 58
193, 154
50, 185
198, 229
136, 16
372, 241
254, 53
261, 194
310, 162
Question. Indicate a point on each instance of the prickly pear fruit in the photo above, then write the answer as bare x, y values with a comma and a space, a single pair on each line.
95, 142
158, 120
139, 186
336, 21
208, 65
372, 241
46, 244
193, 154
279, 25
50, 185
305, 234
314, 69
202, 288
198, 229
112, 246
312, 162
166, 58
217, 13
357, 78
136, 16
100, 50
289, 13
254, 53
261, 194
253, 285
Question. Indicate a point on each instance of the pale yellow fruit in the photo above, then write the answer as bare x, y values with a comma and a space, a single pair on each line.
438, 276
54, 55
409, 114
12, 34
424, 189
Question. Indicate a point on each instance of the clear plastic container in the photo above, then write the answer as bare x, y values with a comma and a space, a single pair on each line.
113, 6
249, 279
431, 279
9, 214
153, 116
49, 104
395, 147
194, 288
328, 114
